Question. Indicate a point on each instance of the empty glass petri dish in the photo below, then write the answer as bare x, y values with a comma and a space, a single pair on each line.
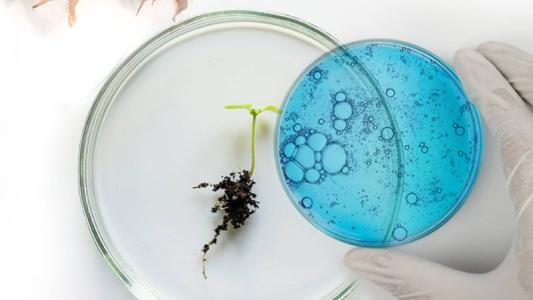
378, 168
158, 127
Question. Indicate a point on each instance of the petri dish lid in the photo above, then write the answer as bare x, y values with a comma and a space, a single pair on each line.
158, 127
382, 166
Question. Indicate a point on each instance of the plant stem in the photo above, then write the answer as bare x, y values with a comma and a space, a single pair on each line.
254, 112
252, 168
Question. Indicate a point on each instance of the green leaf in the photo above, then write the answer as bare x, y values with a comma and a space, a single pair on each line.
238, 106
271, 108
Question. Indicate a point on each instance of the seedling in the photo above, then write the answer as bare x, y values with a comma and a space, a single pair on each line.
237, 203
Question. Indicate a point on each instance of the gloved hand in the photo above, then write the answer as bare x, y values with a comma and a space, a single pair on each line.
499, 79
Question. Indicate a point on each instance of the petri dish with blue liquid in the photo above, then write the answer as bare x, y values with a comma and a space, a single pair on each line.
378, 145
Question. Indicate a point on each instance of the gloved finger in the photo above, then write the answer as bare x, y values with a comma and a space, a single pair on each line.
408, 277
514, 64
507, 116
486, 86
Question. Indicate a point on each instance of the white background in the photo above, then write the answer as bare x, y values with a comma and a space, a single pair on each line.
49, 73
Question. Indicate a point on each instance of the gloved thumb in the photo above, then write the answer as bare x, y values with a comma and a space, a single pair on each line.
514, 64
500, 104
507, 115
410, 277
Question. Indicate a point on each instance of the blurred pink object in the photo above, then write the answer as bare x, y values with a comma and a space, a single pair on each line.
180, 6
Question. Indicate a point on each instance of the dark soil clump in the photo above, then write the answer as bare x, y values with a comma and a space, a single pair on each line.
237, 204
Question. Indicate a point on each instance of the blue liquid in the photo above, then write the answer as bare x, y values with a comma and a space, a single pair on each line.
378, 146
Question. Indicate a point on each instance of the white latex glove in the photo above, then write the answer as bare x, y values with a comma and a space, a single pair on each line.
499, 79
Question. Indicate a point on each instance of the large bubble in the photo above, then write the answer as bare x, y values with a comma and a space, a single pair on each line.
305, 156
293, 171
333, 158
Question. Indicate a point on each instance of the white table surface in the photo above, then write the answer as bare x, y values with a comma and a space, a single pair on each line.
50, 72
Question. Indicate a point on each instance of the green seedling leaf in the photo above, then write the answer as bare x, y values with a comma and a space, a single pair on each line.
239, 106
271, 108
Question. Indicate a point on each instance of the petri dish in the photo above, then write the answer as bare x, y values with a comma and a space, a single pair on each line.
382, 169
158, 127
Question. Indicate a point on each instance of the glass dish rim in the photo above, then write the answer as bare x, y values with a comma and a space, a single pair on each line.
105, 98
469, 184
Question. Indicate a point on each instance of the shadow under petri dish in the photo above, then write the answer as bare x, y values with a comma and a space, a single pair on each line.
378, 166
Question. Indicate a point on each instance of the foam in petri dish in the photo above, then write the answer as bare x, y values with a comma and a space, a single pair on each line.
378, 144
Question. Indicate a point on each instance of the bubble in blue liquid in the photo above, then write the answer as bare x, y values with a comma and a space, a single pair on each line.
399, 233
460, 153
387, 133
465, 108
411, 198
318, 156
424, 149
342, 110
333, 158
317, 141
289, 150
345, 170
312, 175
299, 140
293, 171
340, 96
339, 125
305, 156
297, 127
407, 147
317, 74
390, 92
306, 202
318, 166
459, 130
321, 121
